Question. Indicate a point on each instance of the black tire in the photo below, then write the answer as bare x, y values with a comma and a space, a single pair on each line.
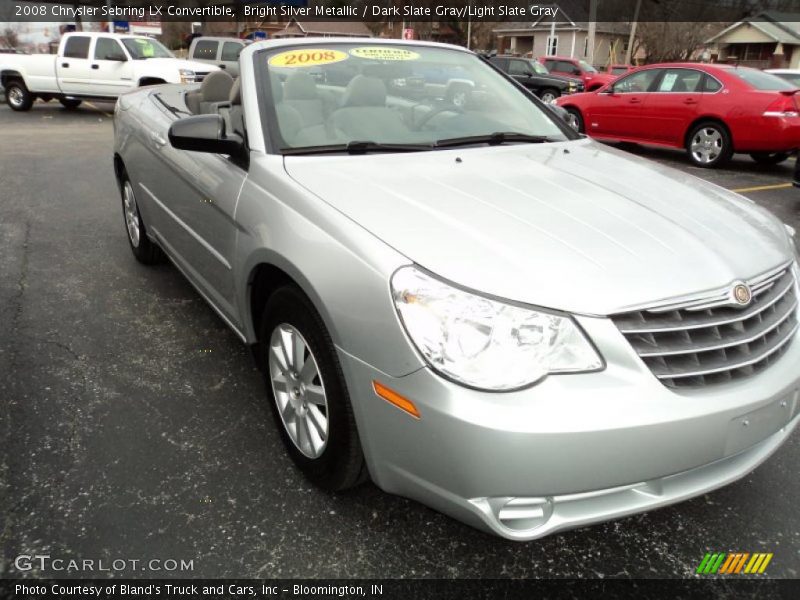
17, 95
144, 250
769, 158
575, 119
720, 148
340, 465
549, 95
70, 103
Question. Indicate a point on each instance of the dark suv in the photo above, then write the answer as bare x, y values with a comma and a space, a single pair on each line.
535, 77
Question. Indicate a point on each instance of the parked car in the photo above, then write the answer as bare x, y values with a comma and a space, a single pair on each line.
534, 76
93, 65
472, 305
621, 69
712, 111
790, 75
220, 51
573, 67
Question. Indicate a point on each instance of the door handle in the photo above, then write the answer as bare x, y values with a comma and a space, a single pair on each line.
222, 67
690, 101
95, 66
634, 101
65, 65
156, 138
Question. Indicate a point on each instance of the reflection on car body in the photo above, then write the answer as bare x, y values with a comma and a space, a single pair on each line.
466, 302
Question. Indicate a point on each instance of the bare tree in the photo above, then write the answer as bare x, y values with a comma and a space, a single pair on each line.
668, 41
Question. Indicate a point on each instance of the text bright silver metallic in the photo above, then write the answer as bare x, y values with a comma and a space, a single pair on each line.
592, 232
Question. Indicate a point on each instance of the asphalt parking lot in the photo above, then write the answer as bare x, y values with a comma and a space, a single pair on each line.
134, 423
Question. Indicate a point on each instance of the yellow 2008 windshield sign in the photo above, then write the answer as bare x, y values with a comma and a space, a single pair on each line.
307, 57
384, 53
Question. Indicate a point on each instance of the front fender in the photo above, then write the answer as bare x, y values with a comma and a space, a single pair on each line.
340, 266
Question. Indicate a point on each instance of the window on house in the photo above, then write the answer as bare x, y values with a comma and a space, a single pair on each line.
586, 47
552, 45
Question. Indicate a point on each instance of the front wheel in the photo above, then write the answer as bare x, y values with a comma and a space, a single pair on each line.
145, 251
308, 394
575, 120
17, 96
70, 102
549, 96
709, 145
769, 158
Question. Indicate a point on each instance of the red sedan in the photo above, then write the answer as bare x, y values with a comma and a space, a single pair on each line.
710, 110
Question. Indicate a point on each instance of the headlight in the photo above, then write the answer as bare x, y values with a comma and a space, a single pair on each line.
187, 76
794, 239
484, 343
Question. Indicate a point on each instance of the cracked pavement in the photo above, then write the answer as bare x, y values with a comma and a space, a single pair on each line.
133, 423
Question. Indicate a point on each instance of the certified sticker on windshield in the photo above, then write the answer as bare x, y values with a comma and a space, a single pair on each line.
307, 57
384, 53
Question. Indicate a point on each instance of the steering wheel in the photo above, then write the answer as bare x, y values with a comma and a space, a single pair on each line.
437, 111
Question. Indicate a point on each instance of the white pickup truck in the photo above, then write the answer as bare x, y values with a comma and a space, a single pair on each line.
93, 66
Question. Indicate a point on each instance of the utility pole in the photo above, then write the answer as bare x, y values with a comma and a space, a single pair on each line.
592, 30
628, 54
469, 27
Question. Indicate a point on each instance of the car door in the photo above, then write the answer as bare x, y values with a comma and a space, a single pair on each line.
73, 67
615, 112
521, 71
112, 66
672, 105
229, 57
191, 199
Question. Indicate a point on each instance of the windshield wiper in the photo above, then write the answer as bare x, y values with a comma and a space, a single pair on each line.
358, 147
494, 139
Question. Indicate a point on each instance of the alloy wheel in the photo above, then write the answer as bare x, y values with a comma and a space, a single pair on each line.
16, 97
298, 390
131, 214
548, 98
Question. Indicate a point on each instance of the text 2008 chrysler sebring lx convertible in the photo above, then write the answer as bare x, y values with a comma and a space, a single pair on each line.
465, 300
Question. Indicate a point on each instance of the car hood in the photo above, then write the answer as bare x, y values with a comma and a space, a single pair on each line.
180, 63
603, 77
574, 226
555, 78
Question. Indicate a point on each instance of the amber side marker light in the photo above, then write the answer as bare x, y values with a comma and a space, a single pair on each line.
393, 397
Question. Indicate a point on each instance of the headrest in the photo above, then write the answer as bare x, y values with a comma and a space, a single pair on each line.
216, 86
300, 86
235, 96
365, 91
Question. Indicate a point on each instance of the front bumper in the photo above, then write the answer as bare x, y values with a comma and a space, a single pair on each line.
575, 449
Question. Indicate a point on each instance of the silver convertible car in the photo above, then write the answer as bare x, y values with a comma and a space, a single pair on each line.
452, 293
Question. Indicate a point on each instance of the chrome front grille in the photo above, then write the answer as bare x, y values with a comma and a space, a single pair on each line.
707, 340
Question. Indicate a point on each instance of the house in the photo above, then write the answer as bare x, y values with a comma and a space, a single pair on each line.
570, 38
769, 39
297, 28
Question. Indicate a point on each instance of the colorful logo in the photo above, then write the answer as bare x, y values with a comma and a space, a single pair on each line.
733, 563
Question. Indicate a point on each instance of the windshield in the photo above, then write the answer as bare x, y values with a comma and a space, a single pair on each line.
410, 96
793, 78
587, 67
142, 48
760, 80
538, 67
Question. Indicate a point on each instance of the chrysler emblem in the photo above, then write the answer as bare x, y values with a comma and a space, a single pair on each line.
741, 294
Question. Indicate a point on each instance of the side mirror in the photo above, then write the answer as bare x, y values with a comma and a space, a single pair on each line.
204, 133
